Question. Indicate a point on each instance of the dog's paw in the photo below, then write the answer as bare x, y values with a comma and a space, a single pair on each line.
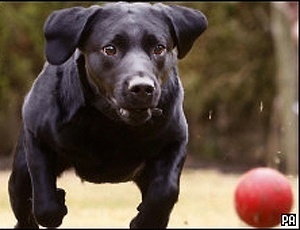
143, 220
52, 213
133, 223
28, 224
61, 195
51, 216
139, 222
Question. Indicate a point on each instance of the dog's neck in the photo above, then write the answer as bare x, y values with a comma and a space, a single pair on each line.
93, 97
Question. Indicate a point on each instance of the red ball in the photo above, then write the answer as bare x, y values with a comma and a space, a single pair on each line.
261, 196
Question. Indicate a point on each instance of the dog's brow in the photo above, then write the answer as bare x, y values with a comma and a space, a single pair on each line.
150, 38
121, 39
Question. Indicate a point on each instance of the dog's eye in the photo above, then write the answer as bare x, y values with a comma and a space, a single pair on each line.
109, 50
159, 49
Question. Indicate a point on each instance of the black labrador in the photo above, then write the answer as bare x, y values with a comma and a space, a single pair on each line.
107, 103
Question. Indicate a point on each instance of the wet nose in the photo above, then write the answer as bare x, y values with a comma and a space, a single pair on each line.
141, 87
142, 90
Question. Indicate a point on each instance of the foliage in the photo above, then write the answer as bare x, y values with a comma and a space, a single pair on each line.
229, 79
21, 59
228, 76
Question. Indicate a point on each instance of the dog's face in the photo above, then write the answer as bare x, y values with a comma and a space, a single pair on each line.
129, 60
128, 50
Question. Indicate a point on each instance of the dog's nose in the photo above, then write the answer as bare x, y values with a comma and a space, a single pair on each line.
142, 90
141, 87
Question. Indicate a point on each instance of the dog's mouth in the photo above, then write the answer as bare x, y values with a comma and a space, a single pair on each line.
138, 116
131, 116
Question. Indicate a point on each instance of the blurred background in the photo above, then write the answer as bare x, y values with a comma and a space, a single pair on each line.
240, 79
241, 102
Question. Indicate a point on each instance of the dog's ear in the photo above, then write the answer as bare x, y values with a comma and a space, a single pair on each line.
63, 30
187, 25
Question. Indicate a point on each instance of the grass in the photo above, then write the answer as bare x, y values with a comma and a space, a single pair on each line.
206, 200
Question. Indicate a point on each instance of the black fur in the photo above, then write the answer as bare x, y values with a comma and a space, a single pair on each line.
107, 103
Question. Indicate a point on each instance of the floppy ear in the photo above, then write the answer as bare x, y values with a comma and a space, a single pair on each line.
63, 30
186, 25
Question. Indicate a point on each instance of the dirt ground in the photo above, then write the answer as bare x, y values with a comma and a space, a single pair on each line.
206, 201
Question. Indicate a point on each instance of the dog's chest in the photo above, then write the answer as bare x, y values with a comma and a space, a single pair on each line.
103, 151
104, 138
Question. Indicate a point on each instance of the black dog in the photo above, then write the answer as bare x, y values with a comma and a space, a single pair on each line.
109, 104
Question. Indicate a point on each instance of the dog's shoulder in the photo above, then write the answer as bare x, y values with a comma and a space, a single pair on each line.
172, 104
54, 95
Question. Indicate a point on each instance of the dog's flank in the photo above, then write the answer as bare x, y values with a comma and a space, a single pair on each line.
108, 103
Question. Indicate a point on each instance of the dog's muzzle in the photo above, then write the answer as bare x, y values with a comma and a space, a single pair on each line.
139, 99
134, 103
138, 116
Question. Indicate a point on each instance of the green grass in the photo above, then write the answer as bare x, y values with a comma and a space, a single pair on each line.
206, 200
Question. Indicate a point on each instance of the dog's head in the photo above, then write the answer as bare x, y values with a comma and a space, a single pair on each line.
128, 50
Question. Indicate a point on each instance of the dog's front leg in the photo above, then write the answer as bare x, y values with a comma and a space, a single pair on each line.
159, 184
48, 201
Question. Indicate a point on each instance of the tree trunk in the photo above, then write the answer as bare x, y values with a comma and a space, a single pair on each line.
287, 87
